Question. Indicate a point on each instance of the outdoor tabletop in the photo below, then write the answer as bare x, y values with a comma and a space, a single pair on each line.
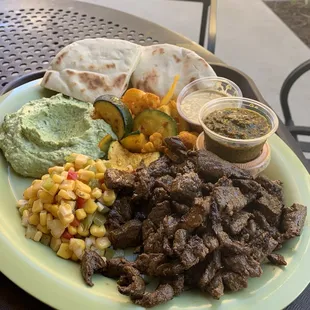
31, 34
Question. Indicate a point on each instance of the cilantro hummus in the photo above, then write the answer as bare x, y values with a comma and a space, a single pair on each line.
44, 131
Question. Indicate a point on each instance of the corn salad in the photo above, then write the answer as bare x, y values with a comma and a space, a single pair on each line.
66, 209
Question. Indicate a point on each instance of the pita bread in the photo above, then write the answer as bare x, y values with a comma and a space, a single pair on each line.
89, 68
159, 64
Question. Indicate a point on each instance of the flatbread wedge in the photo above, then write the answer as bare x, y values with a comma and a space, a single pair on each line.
89, 68
160, 63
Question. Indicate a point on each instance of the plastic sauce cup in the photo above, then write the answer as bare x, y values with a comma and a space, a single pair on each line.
236, 150
219, 85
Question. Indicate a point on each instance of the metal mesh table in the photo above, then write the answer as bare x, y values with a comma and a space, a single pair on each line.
31, 34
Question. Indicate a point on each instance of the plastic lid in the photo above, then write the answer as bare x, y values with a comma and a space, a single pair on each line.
255, 166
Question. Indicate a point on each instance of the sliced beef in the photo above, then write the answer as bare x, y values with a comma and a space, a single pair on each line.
160, 167
170, 269
164, 181
262, 246
293, 220
180, 208
91, 263
159, 194
159, 212
211, 242
229, 199
249, 188
162, 294
243, 265
154, 241
197, 214
185, 188
176, 150
277, 259
216, 287
185, 167
131, 283
167, 247
149, 263
128, 235
180, 240
194, 251
272, 187
120, 213
143, 184
234, 281
211, 167
170, 225
115, 267
119, 180
271, 207
176, 282
212, 268
206, 188
148, 227
224, 181
237, 222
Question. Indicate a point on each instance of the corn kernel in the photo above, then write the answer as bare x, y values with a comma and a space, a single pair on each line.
43, 229
82, 187
64, 251
43, 218
49, 218
90, 206
72, 230
37, 206
74, 257
67, 166
34, 219
32, 200
65, 174
97, 231
67, 185
54, 210
80, 214
25, 213
64, 240
80, 161
54, 189
29, 193
96, 193
45, 196
82, 194
57, 169
86, 175
104, 187
55, 244
72, 204
102, 243
108, 197
63, 194
65, 214
100, 166
99, 176
47, 207
45, 176
37, 237
77, 246
36, 185
57, 178
82, 232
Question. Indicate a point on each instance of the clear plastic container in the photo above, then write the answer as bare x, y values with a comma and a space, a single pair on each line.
206, 87
236, 150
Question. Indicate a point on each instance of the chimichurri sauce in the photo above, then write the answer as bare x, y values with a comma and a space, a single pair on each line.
238, 123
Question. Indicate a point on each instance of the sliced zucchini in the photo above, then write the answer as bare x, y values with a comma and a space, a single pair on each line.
115, 113
105, 142
134, 142
151, 121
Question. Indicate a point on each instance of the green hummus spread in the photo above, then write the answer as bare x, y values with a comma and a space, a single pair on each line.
44, 131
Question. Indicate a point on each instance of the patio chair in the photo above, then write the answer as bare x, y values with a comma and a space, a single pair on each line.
285, 89
208, 18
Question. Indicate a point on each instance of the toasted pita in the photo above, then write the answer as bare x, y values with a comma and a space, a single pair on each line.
159, 64
89, 68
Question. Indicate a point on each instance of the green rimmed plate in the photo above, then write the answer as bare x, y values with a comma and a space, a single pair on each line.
58, 282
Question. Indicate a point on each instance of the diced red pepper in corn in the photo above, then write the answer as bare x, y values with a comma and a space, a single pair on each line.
66, 235
75, 222
80, 202
72, 175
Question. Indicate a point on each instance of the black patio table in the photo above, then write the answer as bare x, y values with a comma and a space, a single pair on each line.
32, 32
